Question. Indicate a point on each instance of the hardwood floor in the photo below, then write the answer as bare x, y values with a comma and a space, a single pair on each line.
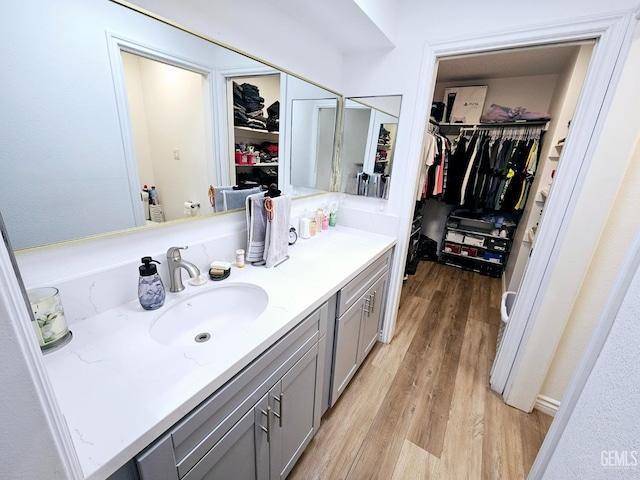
421, 407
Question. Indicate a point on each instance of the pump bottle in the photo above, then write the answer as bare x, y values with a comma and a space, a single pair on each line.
151, 291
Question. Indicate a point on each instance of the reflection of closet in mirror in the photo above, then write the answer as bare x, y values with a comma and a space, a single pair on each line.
168, 110
386, 126
369, 136
255, 115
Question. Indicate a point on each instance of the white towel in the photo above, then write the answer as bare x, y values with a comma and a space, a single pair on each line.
256, 227
276, 247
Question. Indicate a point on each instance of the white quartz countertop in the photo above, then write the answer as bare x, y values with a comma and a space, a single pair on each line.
119, 389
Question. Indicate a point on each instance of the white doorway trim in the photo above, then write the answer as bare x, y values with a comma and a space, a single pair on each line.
15, 312
613, 39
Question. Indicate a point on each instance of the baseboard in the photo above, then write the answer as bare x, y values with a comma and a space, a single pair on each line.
547, 405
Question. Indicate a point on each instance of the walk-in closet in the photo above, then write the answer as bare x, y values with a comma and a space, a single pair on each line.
492, 147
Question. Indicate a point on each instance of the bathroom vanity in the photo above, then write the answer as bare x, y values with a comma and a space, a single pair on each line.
248, 400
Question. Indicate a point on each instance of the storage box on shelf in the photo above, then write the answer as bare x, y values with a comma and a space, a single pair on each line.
476, 244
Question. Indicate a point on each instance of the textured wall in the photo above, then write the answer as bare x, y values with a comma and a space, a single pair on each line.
602, 438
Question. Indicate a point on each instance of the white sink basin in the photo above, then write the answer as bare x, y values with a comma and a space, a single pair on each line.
202, 316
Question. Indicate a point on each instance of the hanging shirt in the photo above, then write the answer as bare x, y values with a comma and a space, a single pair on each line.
428, 156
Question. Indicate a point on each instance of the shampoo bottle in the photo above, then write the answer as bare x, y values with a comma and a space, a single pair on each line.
150, 288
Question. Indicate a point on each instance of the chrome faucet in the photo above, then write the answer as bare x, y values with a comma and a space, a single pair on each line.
175, 263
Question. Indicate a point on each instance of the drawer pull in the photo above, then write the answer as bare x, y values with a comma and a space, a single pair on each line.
373, 299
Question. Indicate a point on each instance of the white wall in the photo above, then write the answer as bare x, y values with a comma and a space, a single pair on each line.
169, 110
176, 117
368, 74
605, 418
581, 259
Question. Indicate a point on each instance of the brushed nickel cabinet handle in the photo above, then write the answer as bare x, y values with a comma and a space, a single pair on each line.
373, 300
268, 428
279, 415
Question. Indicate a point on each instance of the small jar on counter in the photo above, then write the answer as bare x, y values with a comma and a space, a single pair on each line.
240, 258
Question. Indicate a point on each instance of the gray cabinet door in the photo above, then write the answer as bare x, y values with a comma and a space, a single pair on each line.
243, 452
372, 317
345, 354
293, 401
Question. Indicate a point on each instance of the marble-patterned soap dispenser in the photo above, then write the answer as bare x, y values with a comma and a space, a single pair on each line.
151, 291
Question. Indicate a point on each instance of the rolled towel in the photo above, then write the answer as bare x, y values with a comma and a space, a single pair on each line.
256, 227
276, 247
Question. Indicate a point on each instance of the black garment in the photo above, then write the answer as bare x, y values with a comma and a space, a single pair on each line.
248, 106
501, 171
273, 119
519, 166
489, 175
483, 174
469, 199
457, 167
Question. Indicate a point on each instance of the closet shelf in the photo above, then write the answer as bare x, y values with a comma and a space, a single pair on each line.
259, 164
478, 232
524, 123
477, 259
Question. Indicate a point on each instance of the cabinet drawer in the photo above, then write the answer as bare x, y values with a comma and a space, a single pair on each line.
352, 292
200, 430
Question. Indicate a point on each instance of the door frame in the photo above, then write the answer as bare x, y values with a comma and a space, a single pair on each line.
116, 45
613, 36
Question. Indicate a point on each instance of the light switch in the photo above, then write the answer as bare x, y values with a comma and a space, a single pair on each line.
176, 154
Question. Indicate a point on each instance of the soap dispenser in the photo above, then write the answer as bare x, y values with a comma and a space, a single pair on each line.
150, 288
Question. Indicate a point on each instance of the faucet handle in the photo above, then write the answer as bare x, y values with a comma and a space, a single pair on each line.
174, 252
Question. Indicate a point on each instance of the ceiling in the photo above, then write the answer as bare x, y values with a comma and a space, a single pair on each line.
547, 60
328, 19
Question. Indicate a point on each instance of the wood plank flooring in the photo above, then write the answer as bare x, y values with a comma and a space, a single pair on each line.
421, 407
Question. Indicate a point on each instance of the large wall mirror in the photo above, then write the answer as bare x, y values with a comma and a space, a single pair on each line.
369, 129
105, 109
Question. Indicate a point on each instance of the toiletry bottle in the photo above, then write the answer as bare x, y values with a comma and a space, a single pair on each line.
319, 220
332, 215
325, 217
312, 225
305, 227
240, 258
150, 288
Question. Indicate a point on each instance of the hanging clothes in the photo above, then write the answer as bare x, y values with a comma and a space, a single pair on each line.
488, 168
436, 151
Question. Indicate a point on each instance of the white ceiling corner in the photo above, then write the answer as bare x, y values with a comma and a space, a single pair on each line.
342, 23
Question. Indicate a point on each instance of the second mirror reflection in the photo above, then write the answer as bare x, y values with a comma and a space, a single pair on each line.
369, 132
